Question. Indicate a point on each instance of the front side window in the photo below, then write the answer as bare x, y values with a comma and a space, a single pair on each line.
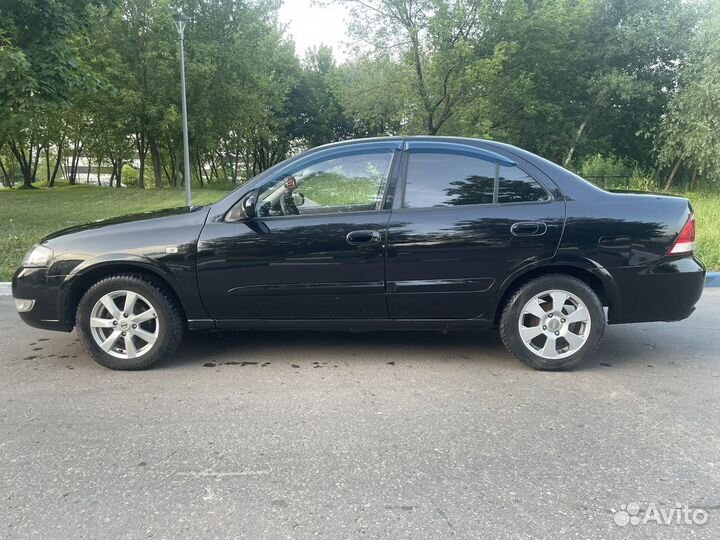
437, 179
349, 183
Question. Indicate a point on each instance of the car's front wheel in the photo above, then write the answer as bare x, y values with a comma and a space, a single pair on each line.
128, 322
553, 323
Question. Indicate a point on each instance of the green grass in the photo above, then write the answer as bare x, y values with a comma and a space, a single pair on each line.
707, 213
28, 215
340, 191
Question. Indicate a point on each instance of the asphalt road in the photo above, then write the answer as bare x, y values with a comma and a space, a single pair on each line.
360, 436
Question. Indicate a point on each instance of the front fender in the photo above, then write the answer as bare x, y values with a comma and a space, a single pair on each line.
177, 271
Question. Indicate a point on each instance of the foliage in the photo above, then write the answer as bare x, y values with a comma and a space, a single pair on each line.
130, 176
599, 166
568, 79
691, 130
39, 60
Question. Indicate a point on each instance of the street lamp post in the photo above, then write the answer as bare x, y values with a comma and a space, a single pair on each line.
180, 22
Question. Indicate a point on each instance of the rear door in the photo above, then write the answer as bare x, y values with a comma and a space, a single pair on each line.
464, 218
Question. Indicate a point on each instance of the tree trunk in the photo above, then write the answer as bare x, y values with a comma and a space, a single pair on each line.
25, 163
36, 162
693, 182
113, 169
58, 160
6, 180
246, 159
656, 176
47, 164
674, 171
575, 142
207, 175
156, 164
236, 165
99, 166
118, 176
179, 169
200, 167
142, 149
74, 161
141, 174
420, 78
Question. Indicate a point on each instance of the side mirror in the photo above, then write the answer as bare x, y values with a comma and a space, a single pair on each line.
248, 204
245, 209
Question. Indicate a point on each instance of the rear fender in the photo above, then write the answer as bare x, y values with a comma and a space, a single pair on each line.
573, 266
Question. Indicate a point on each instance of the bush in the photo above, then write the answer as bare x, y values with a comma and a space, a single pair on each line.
615, 174
130, 176
599, 166
641, 181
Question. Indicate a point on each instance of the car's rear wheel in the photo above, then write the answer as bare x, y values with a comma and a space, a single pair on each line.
553, 323
128, 322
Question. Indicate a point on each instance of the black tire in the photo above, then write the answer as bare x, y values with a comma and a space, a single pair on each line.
509, 322
169, 319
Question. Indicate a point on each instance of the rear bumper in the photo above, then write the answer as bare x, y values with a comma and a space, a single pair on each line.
667, 291
47, 312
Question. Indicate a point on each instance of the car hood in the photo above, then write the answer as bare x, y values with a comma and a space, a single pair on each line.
127, 219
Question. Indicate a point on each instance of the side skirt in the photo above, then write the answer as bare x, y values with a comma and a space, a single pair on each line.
348, 325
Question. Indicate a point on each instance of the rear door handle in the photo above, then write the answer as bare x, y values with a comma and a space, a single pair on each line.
528, 228
361, 238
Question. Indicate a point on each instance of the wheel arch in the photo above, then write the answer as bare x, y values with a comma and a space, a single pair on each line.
592, 274
89, 273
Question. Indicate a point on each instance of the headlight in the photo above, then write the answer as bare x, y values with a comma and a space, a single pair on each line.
38, 257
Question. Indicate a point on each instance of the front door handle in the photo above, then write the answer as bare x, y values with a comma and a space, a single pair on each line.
361, 238
528, 228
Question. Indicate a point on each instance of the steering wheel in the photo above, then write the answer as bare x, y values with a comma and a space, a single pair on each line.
287, 204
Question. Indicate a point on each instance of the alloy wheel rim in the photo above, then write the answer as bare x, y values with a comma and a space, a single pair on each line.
124, 324
554, 324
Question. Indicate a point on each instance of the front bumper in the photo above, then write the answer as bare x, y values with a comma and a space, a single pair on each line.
48, 311
666, 291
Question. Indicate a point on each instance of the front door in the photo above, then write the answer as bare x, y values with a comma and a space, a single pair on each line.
315, 249
465, 219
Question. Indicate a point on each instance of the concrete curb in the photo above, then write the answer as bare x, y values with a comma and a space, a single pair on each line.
712, 280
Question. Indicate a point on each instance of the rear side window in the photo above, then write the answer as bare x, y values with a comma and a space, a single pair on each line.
450, 179
441, 179
515, 185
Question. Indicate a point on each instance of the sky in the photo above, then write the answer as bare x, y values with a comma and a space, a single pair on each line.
311, 26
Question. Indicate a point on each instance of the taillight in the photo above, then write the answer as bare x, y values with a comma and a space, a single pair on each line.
685, 242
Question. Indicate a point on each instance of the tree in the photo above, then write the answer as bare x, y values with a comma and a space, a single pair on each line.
443, 44
373, 94
319, 115
39, 67
690, 132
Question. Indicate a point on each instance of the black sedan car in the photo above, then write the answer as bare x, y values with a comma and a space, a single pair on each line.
421, 233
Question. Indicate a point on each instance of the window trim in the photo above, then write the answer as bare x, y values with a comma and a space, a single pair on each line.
464, 150
377, 148
323, 214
